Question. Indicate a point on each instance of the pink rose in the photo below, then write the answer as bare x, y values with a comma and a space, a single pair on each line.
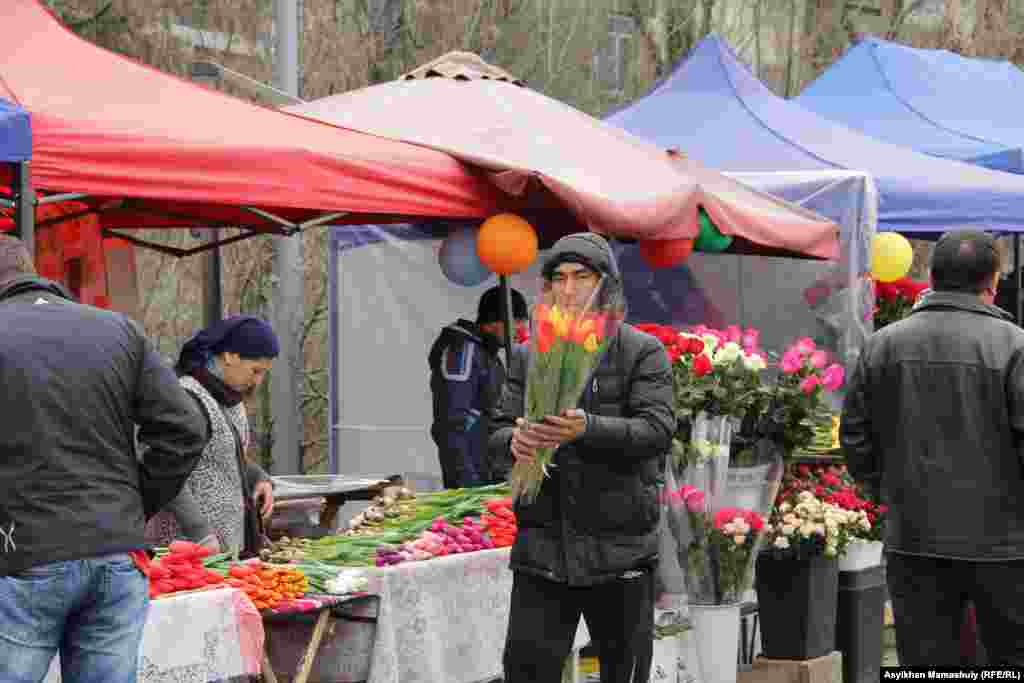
806, 346
809, 384
819, 359
733, 333
792, 361
694, 499
833, 377
751, 339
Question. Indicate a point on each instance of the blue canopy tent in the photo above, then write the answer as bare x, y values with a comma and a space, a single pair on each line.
713, 108
15, 152
933, 101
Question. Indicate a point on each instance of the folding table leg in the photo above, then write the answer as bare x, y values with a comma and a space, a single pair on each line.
314, 646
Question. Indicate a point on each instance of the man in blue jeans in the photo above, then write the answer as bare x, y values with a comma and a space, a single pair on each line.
74, 497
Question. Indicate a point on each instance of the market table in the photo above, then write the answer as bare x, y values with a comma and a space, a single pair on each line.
335, 489
212, 636
439, 620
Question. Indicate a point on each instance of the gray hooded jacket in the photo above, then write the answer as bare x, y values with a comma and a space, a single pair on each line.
597, 515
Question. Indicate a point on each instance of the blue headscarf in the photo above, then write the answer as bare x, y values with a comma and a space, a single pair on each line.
246, 335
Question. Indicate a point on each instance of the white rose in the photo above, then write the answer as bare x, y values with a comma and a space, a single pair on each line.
781, 543
710, 343
806, 496
788, 529
729, 529
785, 507
790, 519
754, 362
730, 352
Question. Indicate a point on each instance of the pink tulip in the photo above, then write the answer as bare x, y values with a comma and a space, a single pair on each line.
819, 359
694, 499
809, 384
733, 333
792, 361
833, 377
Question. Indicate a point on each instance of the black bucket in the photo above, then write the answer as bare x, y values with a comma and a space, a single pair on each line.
797, 603
860, 622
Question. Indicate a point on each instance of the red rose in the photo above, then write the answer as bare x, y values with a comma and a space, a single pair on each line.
701, 365
694, 345
805, 470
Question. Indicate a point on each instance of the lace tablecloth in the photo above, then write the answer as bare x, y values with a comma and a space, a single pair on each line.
204, 637
438, 621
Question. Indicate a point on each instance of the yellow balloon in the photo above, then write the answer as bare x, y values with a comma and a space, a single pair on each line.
891, 256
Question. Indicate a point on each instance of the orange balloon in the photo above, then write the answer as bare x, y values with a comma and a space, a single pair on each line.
665, 253
506, 244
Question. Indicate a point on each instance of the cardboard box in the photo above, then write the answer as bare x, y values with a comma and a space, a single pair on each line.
827, 669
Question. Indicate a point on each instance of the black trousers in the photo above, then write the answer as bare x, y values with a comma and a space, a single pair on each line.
544, 617
928, 606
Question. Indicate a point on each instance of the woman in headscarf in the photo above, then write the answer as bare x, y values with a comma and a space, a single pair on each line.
225, 499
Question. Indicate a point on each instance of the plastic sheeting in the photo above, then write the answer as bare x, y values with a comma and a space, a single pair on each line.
389, 300
933, 101
713, 108
15, 133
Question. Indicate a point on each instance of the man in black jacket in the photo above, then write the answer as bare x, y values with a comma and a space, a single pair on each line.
588, 543
73, 495
934, 417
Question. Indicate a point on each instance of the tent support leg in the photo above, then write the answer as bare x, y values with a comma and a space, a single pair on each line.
213, 310
1016, 262
506, 299
24, 205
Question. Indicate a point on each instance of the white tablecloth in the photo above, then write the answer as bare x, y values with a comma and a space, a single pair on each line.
210, 636
442, 620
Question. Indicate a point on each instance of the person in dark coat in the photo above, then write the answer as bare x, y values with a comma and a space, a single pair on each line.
74, 496
466, 380
934, 420
588, 544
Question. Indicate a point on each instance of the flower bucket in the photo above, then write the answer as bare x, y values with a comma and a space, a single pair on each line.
861, 554
797, 605
717, 632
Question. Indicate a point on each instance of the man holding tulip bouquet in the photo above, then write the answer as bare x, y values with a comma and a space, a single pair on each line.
587, 544
934, 416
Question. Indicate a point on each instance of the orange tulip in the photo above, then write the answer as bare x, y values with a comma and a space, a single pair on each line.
545, 335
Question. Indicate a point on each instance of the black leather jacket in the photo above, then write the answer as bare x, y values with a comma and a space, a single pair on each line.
76, 381
597, 516
934, 413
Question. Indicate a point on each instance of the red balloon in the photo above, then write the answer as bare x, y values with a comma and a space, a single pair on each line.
665, 253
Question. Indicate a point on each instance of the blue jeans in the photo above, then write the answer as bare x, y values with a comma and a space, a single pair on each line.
91, 611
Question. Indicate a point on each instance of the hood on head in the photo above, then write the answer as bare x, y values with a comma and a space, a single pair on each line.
586, 248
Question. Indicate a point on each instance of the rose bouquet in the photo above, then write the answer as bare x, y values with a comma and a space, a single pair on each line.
833, 484
802, 525
795, 402
894, 300
565, 348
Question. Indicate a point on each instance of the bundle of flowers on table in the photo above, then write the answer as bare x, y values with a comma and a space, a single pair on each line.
567, 342
894, 300
803, 526
797, 403
833, 484
717, 543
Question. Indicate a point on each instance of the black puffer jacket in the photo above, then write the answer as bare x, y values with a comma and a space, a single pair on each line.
76, 380
597, 515
934, 413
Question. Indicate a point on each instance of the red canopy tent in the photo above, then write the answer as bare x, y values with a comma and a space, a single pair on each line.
147, 149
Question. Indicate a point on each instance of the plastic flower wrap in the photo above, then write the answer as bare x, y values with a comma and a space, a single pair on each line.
567, 342
718, 529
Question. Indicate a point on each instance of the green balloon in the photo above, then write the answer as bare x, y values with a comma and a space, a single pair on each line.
710, 239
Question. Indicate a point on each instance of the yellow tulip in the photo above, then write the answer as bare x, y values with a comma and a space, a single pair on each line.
590, 344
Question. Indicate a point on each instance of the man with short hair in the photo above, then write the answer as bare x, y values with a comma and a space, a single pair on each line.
934, 417
588, 544
466, 380
73, 495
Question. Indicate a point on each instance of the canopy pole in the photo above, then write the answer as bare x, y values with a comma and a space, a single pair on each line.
24, 205
214, 300
506, 300
1016, 263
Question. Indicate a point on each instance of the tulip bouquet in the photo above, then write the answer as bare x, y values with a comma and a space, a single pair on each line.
565, 348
